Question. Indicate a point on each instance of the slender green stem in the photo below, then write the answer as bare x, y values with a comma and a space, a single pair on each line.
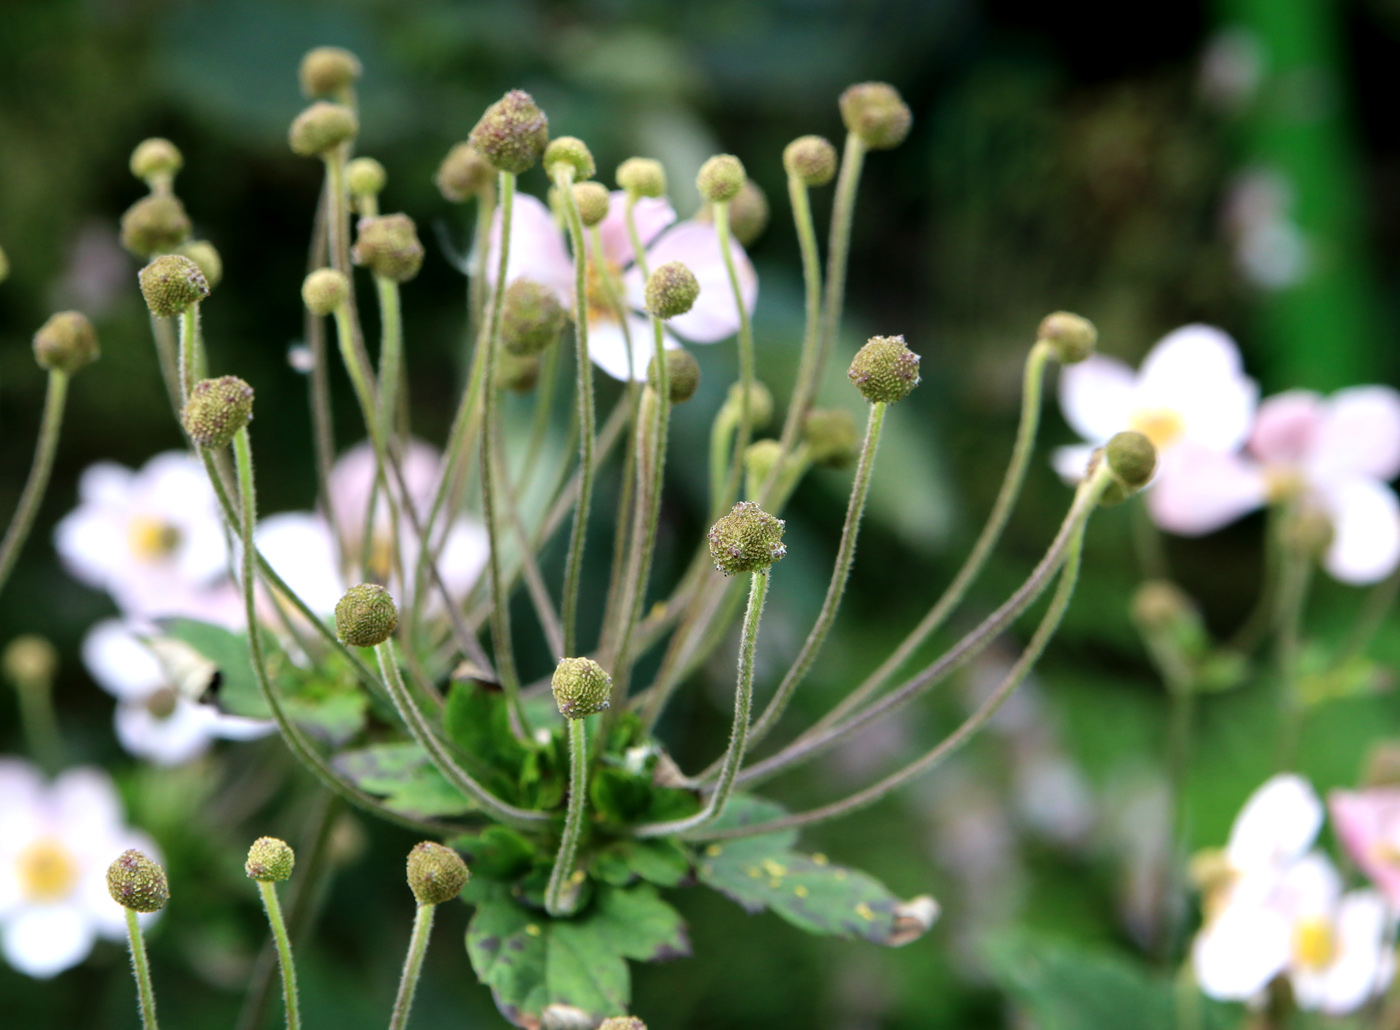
360, 376
168, 358
806, 385
390, 352
189, 350
530, 569
36, 714
1294, 580
838, 249
738, 738
338, 237
721, 456
557, 896
141, 969
50, 425
1379, 601
639, 253
319, 382
539, 423
746, 358
284, 952
412, 966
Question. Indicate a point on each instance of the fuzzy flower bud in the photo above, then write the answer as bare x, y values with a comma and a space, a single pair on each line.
885, 369
748, 213
1071, 336
324, 290
876, 113
720, 178
748, 539
66, 342
463, 173
642, 177
389, 246
532, 318
671, 290
831, 437
328, 71
366, 616
592, 200
216, 410
760, 460
155, 158
154, 225
513, 133
569, 152
321, 128
622, 1023
29, 659
811, 159
581, 687
171, 283
1131, 458
682, 374
206, 256
435, 873
1159, 604
365, 177
270, 860
517, 372
760, 403
137, 883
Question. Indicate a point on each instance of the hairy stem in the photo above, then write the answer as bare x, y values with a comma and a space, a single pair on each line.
141, 969
50, 425
284, 952
806, 385
412, 966
561, 877
838, 249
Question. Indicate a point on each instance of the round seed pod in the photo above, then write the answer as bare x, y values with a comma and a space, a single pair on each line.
748, 539
1131, 458
29, 659
876, 113
748, 213
270, 860
518, 373
435, 873
885, 369
137, 883
463, 173
327, 71
216, 410
682, 374
366, 616
720, 178
760, 460
1072, 337
365, 177
154, 225
321, 128
324, 290
66, 342
831, 437
581, 687
593, 200
671, 290
171, 283
206, 256
155, 158
811, 159
760, 403
642, 177
389, 247
513, 133
532, 318
570, 152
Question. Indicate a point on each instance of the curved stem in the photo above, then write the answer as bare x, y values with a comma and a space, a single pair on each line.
189, 350
168, 357
390, 353
838, 249
412, 966
284, 952
561, 877
141, 969
806, 385
746, 360
50, 425
1294, 578
338, 236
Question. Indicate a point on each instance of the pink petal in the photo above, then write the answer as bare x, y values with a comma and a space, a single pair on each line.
1285, 427
537, 248
1359, 434
715, 315
1365, 531
651, 215
1367, 824
1096, 397
1198, 490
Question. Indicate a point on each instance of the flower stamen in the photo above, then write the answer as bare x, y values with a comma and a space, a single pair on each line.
47, 871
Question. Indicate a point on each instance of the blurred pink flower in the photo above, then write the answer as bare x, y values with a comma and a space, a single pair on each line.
1368, 825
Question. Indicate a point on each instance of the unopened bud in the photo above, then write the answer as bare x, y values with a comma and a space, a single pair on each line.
1160, 604
206, 256
137, 883
518, 373
154, 225
324, 290
811, 159
885, 369
66, 342
29, 660
327, 71
760, 403
831, 437
389, 246
592, 200
321, 128
1071, 336
513, 133
1131, 458
435, 873
875, 112
155, 159
682, 374
671, 290
642, 177
581, 687
720, 178
216, 410
748, 213
270, 860
365, 177
463, 173
748, 539
760, 460
532, 318
366, 616
568, 152
171, 284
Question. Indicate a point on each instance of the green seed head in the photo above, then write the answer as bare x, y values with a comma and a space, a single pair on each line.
671, 290
171, 283
137, 883
682, 374
811, 159
642, 177
593, 200
532, 318
1131, 458
581, 687
66, 342
216, 410
206, 256
1071, 336
435, 873
876, 113
270, 860
831, 437
517, 372
155, 158
366, 616
389, 246
569, 152
365, 177
760, 403
760, 460
324, 290
513, 133
463, 173
321, 128
29, 659
720, 178
885, 369
327, 71
154, 225
748, 539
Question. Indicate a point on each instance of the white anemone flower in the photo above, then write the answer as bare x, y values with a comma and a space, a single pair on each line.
538, 252
154, 539
1192, 399
56, 841
156, 718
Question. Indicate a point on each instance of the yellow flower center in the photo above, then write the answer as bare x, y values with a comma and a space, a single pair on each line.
1314, 945
151, 539
1162, 426
602, 283
47, 871
1282, 483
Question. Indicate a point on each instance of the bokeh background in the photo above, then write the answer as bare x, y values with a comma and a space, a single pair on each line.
1235, 162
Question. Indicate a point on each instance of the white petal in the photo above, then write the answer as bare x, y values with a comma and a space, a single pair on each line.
85, 806
1072, 462
1365, 531
299, 548
1196, 372
1356, 974
1096, 397
237, 727
1198, 491
1310, 887
105, 484
607, 347
715, 316
537, 250
1285, 427
180, 736
93, 545
43, 942
651, 215
1359, 435
1278, 823
1238, 952
464, 555
120, 663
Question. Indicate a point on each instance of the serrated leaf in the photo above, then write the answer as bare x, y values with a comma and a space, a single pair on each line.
662, 862
508, 947
581, 971
619, 797
476, 720
237, 692
331, 712
496, 853
637, 923
404, 777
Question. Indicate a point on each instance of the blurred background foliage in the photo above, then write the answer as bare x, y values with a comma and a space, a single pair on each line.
1059, 159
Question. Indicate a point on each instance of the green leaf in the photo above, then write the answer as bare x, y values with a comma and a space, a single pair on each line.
582, 971
476, 720
638, 924
619, 797
404, 777
334, 712
507, 947
237, 692
496, 853
662, 862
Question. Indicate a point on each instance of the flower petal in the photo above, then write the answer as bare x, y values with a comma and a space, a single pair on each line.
1285, 427
43, 942
1096, 397
1198, 491
715, 315
173, 739
299, 547
1196, 372
607, 346
1277, 824
1359, 435
651, 215
1365, 531
1367, 823
537, 248
1238, 952
120, 663
1072, 462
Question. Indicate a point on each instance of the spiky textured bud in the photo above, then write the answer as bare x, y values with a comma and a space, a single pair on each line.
532, 318
748, 539
327, 71
760, 403
642, 177
66, 342
517, 372
811, 159
622, 1023
365, 177
1071, 336
570, 152
154, 225
1131, 458
206, 256
137, 883
720, 178
876, 113
463, 173
682, 374
216, 410
831, 437
171, 283
760, 460
366, 616
885, 369
671, 290
321, 128
581, 687
324, 290
435, 873
29, 659
592, 199
270, 860
155, 158
513, 133
389, 246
